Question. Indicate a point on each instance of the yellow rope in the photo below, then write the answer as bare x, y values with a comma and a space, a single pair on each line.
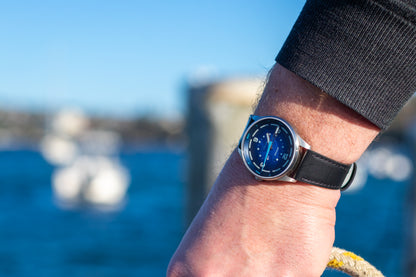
351, 264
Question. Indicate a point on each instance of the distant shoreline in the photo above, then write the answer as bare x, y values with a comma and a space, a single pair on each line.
25, 130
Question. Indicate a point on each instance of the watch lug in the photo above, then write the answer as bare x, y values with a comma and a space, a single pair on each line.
254, 117
287, 179
303, 143
251, 119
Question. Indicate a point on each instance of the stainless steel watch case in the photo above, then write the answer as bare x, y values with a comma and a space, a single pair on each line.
299, 147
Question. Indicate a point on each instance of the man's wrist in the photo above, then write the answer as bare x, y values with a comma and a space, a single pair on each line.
237, 179
331, 128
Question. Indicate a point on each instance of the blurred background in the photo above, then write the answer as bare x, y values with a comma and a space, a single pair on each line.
116, 116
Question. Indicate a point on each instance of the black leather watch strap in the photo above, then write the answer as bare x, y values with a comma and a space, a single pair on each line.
321, 171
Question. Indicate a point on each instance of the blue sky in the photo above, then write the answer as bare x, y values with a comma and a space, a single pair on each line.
127, 58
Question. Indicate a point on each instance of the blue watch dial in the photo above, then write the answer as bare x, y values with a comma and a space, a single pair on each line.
268, 147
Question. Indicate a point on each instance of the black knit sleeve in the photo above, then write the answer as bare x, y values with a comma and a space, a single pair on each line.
363, 53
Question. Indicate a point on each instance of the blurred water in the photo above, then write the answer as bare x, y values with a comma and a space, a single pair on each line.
376, 221
38, 238
375, 224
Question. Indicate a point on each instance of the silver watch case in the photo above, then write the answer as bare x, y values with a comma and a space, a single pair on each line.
299, 145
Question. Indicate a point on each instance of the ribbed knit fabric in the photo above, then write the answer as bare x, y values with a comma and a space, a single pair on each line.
363, 53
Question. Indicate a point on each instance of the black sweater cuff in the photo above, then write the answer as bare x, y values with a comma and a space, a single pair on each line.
363, 53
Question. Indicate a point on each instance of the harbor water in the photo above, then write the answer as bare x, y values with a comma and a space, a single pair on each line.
40, 237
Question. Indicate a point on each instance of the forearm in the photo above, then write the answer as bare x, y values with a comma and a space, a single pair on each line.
262, 228
330, 127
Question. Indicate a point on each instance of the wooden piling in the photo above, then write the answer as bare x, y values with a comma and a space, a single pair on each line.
217, 114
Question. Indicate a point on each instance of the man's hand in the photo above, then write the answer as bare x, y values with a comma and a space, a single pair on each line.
252, 228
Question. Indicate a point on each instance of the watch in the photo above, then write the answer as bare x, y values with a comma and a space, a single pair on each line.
272, 150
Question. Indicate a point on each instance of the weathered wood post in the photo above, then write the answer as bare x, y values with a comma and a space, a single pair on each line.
217, 114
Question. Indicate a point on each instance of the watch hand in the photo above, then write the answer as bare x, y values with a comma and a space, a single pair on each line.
267, 153
268, 137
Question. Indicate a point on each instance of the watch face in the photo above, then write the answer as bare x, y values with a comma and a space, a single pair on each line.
268, 148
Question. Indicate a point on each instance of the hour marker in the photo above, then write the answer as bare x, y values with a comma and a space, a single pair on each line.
277, 130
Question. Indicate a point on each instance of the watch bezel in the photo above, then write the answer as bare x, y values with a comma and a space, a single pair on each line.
296, 148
